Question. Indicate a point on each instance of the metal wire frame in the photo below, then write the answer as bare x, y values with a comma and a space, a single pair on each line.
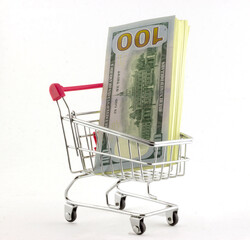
140, 170
168, 207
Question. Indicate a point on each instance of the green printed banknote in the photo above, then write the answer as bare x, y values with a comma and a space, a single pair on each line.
143, 89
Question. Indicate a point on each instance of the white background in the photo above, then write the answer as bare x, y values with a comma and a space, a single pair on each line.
46, 41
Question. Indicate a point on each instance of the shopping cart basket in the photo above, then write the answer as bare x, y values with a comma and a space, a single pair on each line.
82, 141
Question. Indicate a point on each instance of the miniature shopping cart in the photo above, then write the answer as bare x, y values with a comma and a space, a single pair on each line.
80, 132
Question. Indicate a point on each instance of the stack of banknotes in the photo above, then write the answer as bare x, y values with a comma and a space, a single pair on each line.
143, 89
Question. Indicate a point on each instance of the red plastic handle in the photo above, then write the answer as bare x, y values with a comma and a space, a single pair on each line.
57, 91
95, 139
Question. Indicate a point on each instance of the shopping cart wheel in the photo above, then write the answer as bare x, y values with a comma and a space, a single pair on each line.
172, 218
138, 225
120, 201
70, 212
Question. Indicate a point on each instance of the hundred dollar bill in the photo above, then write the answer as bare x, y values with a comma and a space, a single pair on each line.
136, 91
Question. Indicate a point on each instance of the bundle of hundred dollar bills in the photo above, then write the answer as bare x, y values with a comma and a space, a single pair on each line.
142, 90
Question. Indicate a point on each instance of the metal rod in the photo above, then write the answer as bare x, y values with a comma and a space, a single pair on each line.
131, 157
119, 153
155, 161
71, 125
64, 135
148, 190
110, 159
139, 155
164, 159
80, 145
87, 141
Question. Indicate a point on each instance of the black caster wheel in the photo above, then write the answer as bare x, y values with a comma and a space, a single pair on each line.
120, 201
138, 225
173, 220
70, 213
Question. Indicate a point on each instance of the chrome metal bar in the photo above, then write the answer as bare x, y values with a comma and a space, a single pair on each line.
87, 113
164, 159
64, 135
179, 157
124, 212
169, 171
110, 159
172, 162
91, 145
157, 212
184, 135
119, 153
90, 137
79, 146
148, 191
185, 158
155, 161
66, 193
92, 121
77, 138
148, 198
131, 157
172, 142
65, 140
182, 164
92, 155
139, 155
171, 156
98, 150
71, 125
87, 141
176, 167
83, 136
